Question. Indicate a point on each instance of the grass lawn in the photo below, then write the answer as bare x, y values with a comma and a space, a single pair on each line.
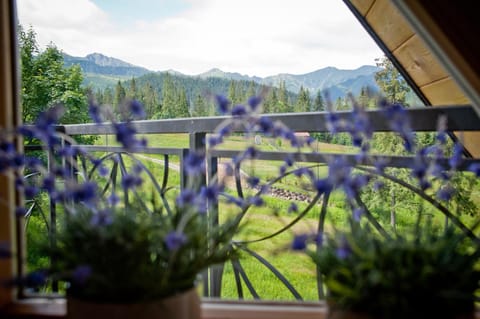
260, 222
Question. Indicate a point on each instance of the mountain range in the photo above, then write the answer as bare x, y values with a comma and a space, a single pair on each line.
101, 71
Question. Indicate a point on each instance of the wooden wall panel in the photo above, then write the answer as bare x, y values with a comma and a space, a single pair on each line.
362, 5
388, 24
446, 92
419, 62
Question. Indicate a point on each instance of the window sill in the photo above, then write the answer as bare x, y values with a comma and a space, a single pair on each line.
211, 309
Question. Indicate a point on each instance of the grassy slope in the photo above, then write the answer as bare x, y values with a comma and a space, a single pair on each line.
260, 222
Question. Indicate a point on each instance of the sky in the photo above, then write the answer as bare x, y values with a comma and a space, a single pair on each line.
251, 37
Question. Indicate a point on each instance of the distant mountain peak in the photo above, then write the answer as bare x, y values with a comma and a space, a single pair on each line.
104, 60
100, 64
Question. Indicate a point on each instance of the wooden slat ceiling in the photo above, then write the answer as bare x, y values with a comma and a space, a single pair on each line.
411, 52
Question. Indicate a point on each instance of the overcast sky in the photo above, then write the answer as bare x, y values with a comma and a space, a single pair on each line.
254, 37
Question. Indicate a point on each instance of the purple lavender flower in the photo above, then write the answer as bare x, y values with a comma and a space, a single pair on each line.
446, 193
300, 242
48, 183
81, 274
35, 279
82, 193
344, 250
30, 191
94, 112
457, 157
103, 170
102, 218
256, 201
186, 198
20, 211
211, 192
265, 124
239, 110
322, 185
174, 240
223, 103
358, 213
254, 102
253, 181
475, 168
194, 163
214, 140
293, 208
113, 199
137, 109
125, 134
7, 147
131, 181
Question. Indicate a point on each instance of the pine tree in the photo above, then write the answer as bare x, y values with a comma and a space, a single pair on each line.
391, 82
168, 98
318, 103
132, 90
183, 108
119, 95
232, 92
108, 96
271, 101
199, 107
303, 101
283, 103
150, 100
251, 90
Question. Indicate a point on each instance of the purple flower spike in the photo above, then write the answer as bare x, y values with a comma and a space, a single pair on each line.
293, 208
195, 163
300, 242
254, 102
344, 250
174, 240
223, 103
94, 112
102, 218
81, 274
137, 109
475, 168
239, 110
130, 181
358, 213
186, 197
446, 193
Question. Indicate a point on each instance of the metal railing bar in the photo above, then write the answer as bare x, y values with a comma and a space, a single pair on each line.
147, 150
460, 118
319, 157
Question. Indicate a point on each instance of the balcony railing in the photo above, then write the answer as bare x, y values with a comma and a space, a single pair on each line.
459, 118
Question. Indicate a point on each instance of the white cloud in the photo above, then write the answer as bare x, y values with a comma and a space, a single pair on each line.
255, 37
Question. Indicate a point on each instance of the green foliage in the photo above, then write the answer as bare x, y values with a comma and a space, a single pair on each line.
46, 82
422, 274
391, 82
303, 101
129, 258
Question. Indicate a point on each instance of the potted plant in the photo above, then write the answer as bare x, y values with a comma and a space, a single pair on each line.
375, 271
120, 249
426, 274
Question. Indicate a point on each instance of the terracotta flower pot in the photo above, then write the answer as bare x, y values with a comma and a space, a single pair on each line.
182, 306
